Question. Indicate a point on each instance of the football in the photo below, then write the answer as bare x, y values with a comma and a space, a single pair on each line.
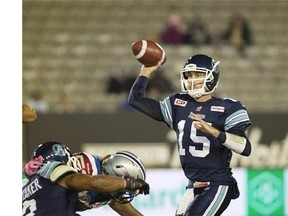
148, 52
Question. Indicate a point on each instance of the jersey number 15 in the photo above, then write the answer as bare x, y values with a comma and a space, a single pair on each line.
196, 139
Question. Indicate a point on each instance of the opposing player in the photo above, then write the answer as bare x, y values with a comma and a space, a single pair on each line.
122, 164
208, 129
53, 190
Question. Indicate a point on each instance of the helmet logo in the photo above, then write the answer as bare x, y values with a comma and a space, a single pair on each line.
58, 150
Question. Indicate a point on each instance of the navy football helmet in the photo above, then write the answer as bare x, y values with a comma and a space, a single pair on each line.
54, 151
203, 64
126, 165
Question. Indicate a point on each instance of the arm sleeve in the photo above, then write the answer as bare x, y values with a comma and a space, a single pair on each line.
138, 101
234, 146
237, 122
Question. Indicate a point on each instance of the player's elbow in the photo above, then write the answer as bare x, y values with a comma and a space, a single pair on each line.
133, 100
130, 99
247, 150
132, 103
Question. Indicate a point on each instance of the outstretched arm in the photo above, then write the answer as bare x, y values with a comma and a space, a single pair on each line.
100, 183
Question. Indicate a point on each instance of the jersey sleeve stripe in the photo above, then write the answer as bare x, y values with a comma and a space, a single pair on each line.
47, 168
166, 110
236, 118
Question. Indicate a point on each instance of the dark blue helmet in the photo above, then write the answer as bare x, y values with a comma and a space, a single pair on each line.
203, 64
52, 151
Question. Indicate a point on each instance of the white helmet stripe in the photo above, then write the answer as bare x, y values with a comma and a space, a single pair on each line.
134, 159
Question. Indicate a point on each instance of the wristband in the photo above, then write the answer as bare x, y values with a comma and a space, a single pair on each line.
222, 137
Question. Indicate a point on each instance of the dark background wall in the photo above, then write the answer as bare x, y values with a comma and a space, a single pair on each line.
129, 127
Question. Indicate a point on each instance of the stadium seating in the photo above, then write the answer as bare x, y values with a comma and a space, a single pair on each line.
72, 46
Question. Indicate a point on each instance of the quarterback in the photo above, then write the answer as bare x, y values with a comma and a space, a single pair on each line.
208, 130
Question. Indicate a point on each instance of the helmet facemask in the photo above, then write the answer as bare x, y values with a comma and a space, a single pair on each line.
124, 196
75, 164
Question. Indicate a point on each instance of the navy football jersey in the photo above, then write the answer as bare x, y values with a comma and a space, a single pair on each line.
202, 157
41, 196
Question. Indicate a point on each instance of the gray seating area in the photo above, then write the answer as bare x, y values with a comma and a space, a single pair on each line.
71, 47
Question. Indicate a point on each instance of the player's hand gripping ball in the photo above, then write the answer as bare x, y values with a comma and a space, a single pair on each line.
148, 52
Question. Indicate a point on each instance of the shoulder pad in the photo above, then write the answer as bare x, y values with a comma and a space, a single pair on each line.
60, 171
46, 168
231, 99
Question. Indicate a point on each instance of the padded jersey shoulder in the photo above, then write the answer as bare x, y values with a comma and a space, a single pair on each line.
55, 170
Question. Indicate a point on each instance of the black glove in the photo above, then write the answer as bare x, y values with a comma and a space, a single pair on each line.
138, 184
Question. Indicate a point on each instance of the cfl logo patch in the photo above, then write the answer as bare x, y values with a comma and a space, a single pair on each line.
179, 102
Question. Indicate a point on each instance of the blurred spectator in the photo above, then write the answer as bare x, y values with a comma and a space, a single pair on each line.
37, 101
114, 82
238, 32
64, 105
159, 84
119, 82
173, 32
198, 32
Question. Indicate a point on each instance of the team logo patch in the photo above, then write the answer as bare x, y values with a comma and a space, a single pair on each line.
202, 116
217, 108
179, 102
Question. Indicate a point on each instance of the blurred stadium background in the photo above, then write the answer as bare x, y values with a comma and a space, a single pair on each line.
72, 47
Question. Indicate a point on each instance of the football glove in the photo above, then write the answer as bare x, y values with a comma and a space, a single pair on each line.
138, 184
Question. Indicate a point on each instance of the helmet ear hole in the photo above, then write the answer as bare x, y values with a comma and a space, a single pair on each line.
209, 83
